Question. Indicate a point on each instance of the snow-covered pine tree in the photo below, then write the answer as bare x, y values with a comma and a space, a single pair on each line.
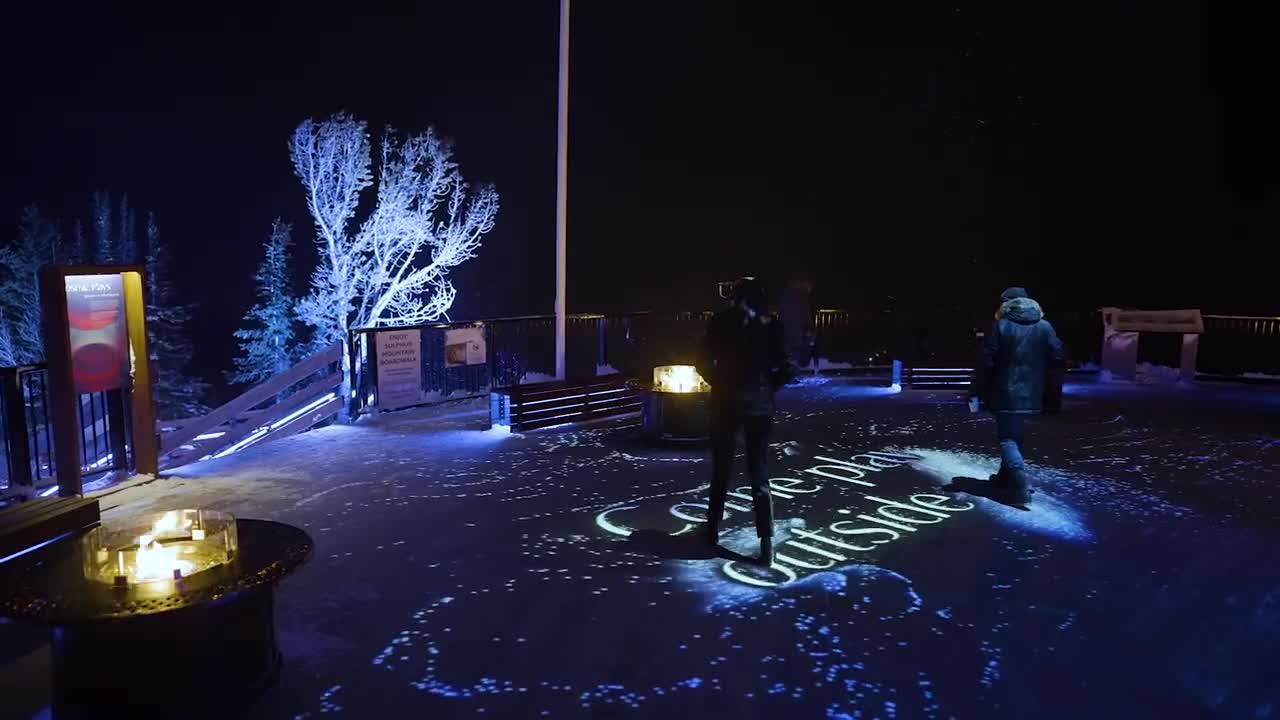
177, 394
104, 246
268, 344
20, 262
126, 240
8, 354
78, 249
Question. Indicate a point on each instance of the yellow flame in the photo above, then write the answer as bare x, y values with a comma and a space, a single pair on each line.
153, 560
157, 562
678, 379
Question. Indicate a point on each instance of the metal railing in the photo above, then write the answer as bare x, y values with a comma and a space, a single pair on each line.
940, 337
517, 350
522, 349
28, 434
1239, 345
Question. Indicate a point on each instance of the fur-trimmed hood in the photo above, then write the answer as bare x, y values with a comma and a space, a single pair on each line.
1023, 311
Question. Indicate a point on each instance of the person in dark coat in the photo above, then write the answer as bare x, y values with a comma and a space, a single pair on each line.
743, 357
1010, 381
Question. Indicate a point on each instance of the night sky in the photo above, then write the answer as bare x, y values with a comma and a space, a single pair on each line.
930, 152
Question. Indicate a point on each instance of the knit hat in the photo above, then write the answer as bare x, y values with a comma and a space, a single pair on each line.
1012, 293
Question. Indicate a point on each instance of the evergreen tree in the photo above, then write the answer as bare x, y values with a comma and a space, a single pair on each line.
177, 394
268, 343
20, 262
78, 252
104, 246
8, 353
126, 241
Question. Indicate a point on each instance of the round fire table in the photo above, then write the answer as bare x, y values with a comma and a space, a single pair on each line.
678, 407
173, 613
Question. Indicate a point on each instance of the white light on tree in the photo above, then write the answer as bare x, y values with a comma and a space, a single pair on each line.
394, 268
21, 336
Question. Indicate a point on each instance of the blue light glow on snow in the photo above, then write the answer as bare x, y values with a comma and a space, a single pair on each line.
512, 575
1048, 514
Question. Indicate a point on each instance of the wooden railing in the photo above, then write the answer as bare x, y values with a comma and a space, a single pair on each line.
293, 401
1237, 345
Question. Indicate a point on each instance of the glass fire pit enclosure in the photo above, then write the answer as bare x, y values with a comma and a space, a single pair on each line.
170, 614
677, 408
155, 550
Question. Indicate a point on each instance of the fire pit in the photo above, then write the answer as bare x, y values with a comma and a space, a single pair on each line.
172, 612
678, 406
146, 555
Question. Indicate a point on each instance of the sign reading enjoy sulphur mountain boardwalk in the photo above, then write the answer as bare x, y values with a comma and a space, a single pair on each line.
399, 368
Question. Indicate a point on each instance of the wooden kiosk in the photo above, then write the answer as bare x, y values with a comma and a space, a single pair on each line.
95, 338
1120, 338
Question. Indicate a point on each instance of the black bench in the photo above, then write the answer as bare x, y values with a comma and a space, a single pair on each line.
540, 405
945, 377
38, 521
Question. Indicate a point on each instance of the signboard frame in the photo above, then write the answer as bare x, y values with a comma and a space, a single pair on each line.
1164, 321
1121, 328
398, 357
136, 388
99, 336
465, 346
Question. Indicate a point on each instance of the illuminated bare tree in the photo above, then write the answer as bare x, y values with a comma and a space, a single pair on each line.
394, 269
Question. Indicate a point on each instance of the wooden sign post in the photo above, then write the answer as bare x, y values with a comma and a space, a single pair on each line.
95, 337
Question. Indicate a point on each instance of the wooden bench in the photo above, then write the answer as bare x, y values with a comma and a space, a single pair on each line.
38, 521
529, 407
947, 377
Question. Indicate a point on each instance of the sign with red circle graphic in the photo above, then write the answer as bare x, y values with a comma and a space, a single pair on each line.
99, 335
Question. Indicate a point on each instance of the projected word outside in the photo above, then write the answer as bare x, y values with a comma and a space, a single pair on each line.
841, 537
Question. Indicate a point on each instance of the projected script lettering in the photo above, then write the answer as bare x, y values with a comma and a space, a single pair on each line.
862, 516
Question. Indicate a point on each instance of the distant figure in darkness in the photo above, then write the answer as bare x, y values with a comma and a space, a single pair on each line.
1010, 381
744, 358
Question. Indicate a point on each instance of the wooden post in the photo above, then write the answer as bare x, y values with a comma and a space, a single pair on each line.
17, 441
1190, 348
355, 399
562, 186
62, 386
602, 347
146, 441
371, 367
117, 434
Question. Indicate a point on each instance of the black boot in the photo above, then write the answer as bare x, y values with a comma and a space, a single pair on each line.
1003, 482
766, 551
1019, 489
712, 536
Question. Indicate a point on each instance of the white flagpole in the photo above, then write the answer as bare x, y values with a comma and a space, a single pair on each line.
562, 181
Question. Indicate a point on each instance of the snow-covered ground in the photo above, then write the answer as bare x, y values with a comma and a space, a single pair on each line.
462, 572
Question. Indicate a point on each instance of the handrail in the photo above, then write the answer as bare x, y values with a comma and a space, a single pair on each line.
252, 396
491, 321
